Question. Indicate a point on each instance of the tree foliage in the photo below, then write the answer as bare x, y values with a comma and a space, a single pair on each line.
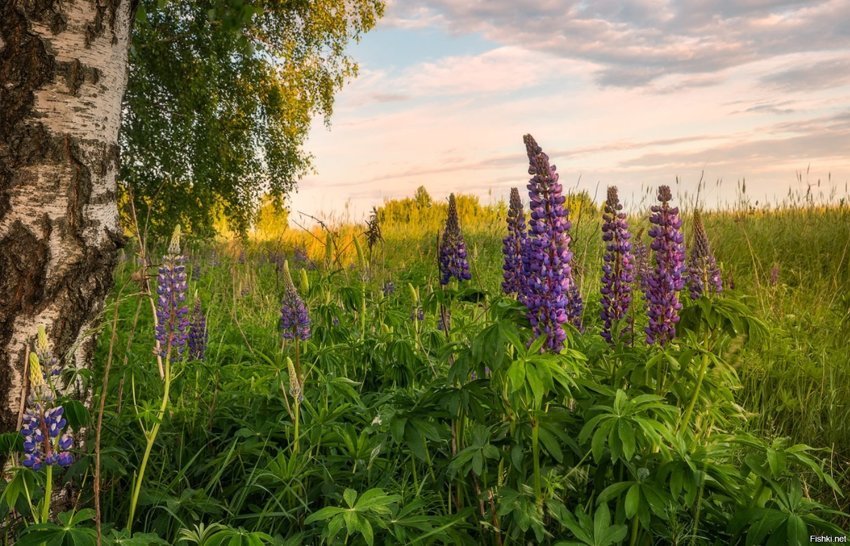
220, 98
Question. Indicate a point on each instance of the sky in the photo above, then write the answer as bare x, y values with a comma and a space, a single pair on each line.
628, 93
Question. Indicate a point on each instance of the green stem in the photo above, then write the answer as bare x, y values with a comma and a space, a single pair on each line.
297, 412
48, 493
690, 409
635, 529
151, 438
535, 450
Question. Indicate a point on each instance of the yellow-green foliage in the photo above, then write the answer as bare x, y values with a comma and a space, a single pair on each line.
271, 222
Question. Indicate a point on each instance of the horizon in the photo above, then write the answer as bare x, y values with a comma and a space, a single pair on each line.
615, 94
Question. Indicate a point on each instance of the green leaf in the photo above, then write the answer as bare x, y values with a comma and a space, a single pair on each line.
632, 501
349, 496
797, 531
323, 514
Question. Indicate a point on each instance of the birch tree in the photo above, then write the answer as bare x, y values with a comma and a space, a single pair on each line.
63, 72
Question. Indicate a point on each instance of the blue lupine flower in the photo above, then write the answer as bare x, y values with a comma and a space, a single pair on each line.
294, 317
618, 265
549, 285
666, 280
46, 440
512, 247
703, 272
197, 332
453, 262
172, 327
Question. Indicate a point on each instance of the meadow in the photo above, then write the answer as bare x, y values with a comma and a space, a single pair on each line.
416, 412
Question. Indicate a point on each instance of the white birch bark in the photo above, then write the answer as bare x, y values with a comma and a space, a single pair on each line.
63, 72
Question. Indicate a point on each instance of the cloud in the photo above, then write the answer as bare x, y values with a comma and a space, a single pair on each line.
808, 76
637, 42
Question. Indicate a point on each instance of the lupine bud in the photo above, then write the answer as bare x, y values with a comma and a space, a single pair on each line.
547, 258
172, 327
666, 280
703, 272
304, 281
295, 387
294, 318
453, 261
618, 264
512, 247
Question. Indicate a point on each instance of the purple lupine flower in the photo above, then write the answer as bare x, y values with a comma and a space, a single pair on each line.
294, 318
388, 288
641, 254
703, 272
512, 247
172, 327
547, 258
46, 440
575, 305
666, 280
774, 275
618, 265
417, 314
453, 262
197, 332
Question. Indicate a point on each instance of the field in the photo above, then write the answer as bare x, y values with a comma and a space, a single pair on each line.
417, 413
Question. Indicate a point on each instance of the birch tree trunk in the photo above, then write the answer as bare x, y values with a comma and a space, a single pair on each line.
63, 71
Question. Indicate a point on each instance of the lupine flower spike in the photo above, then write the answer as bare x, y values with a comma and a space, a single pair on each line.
703, 272
172, 327
197, 332
666, 280
547, 258
294, 318
618, 265
46, 442
512, 247
642, 255
453, 261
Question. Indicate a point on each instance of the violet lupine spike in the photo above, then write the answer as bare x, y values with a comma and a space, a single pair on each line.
197, 332
547, 259
618, 265
512, 247
642, 255
172, 329
453, 261
703, 272
294, 317
666, 280
46, 440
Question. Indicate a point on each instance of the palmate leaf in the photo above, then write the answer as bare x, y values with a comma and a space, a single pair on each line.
67, 533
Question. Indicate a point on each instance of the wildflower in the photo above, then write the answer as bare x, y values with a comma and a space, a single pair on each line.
547, 258
197, 332
294, 318
295, 383
512, 246
666, 281
703, 273
453, 262
417, 314
171, 312
388, 288
641, 255
774, 275
46, 440
618, 264
373, 230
